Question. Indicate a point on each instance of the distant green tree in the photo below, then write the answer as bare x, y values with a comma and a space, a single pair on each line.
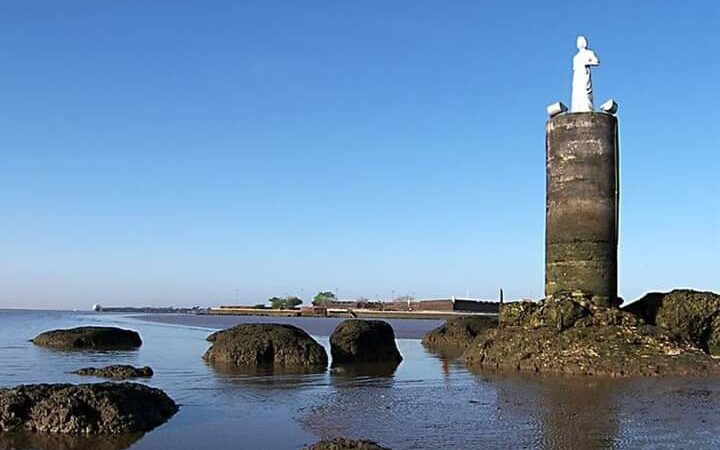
285, 302
277, 303
323, 298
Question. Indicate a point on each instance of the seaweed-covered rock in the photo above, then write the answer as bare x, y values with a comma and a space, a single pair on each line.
117, 372
363, 341
612, 350
569, 334
84, 408
561, 312
345, 444
517, 313
458, 332
689, 314
97, 338
265, 344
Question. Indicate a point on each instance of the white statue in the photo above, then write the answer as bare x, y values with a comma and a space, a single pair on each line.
582, 93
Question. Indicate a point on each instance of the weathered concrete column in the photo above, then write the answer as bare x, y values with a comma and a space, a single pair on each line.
581, 226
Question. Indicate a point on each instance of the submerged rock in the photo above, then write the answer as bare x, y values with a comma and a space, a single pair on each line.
98, 338
691, 315
265, 344
345, 444
117, 371
569, 334
84, 408
458, 332
363, 341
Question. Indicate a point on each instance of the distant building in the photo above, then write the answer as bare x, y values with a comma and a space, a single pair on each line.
445, 304
432, 304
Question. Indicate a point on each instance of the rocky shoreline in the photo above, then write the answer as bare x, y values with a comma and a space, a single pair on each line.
102, 408
675, 333
662, 334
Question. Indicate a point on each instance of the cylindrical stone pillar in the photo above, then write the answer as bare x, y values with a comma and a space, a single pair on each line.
581, 221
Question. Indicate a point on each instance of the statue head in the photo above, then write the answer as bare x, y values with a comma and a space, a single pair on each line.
581, 42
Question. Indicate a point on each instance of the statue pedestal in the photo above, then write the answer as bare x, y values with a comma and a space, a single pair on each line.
581, 227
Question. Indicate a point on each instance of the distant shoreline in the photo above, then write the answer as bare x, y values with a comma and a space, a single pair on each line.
343, 313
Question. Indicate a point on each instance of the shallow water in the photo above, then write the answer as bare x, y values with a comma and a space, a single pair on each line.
426, 403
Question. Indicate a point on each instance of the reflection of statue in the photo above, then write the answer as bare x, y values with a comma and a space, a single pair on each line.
582, 93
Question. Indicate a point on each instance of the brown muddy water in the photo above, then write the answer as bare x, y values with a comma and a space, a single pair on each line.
427, 402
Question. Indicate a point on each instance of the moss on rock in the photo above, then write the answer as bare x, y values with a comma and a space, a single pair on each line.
84, 409
458, 333
116, 371
569, 334
94, 338
257, 344
363, 341
688, 314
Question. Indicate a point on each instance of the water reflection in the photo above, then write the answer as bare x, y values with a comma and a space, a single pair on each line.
48, 441
269, 376
563, 412
268, 370
450, 358
373, 370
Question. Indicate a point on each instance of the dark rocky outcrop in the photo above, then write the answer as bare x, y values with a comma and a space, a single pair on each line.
117, 372
97, 338
265, 344
458, 332
688, 314
569, 334
84, 408
345, 444
363, 341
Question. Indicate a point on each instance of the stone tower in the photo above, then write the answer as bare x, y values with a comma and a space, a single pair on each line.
582, 202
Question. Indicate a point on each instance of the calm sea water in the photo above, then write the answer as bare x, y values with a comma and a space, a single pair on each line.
427, 403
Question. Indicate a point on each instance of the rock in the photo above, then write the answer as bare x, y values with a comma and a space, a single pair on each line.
84, 408
612, 350
561, 312
516, 313
569, 334
118, 372
458, 332
691, 315
265, 344
363, 341
97, 338
345, 444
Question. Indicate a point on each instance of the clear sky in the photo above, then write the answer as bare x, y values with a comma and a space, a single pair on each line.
171, 152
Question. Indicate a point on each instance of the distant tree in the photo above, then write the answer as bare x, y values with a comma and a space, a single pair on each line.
323, 298
277, 302
285, 302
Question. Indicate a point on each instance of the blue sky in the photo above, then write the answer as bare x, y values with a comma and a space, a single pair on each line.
169, 153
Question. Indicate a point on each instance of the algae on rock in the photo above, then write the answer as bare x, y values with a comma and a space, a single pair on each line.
691, 315
457, 333
569, 334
